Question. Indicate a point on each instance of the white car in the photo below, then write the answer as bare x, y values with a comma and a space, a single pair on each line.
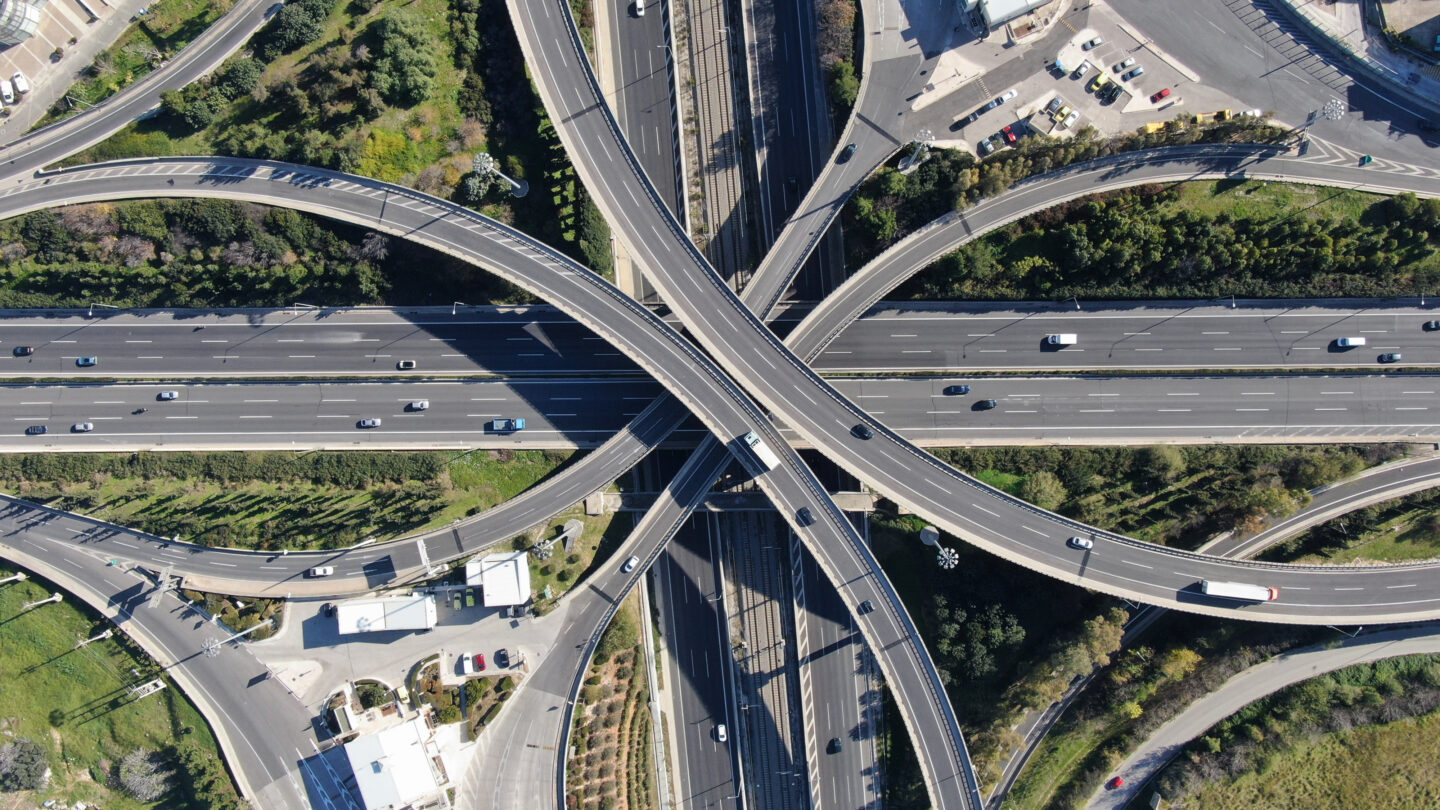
169, 396
82, 427
630, 565
1070, 120
1008, 94
1081, 542
369, 423
22, 84
420, 405
720, 734
1094, 43
7, 91
320, 571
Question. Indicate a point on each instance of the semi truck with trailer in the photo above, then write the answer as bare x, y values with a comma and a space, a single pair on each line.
1239, 590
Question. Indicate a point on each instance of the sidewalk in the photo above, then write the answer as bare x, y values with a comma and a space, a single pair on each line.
50, 81
1404, 74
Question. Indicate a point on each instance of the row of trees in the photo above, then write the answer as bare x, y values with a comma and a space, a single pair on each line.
1142, 244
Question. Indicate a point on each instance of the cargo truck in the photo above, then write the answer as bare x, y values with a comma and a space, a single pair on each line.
756, 449
1239, 590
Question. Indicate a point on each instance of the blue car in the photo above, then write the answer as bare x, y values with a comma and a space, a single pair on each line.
86, 362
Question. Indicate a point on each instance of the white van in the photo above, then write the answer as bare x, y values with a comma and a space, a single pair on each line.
1350, 342
1065, 339
7, 91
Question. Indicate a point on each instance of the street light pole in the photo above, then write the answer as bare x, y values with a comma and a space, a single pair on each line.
91, 312
456, 304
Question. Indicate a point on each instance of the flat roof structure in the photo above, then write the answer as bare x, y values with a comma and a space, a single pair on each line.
389, 613
1002, 11
393, 768
503, 578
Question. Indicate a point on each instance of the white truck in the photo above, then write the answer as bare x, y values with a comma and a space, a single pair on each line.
1239, 590
757, 450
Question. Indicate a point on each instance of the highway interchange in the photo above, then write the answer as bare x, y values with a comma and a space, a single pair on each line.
745, 350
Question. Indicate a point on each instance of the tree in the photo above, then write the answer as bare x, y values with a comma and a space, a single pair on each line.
22, 765
844, 85
1044, 489
145, 775
404, 72
1163, 464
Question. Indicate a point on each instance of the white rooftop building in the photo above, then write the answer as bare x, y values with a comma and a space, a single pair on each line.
396, 768
390, 613
503, 578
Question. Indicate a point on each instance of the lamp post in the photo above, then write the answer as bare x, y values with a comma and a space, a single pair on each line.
457, 304
90, 313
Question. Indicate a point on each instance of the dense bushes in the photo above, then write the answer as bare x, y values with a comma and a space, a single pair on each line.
298, 23
22, 765
1140, 244
204, 781
206, 253
145, 775
198, 103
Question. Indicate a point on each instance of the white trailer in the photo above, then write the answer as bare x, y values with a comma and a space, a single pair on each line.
1239, 590
756, 449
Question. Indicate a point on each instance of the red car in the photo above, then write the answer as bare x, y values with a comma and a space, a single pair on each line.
1117, 782
479, 662
1160, 95
1010, 136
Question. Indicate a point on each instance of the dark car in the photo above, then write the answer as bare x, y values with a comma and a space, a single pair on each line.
835, 746
23, 351
502, 658
1427, 125
986, 404
1432, 326
846, 153
1391, 357
327, 609
36, 430
956, 390
862, 431
867, 607
804, 517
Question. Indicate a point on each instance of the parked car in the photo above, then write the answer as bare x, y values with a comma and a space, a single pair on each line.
467, 664
82, 427
985, 146
502, 658
168, 396
1162, 94
804, 517
405, 365
320, 571
419, 405
629, 565
7, 91
1070, 120
862, 431
1093, 44
1119, 66
1134, 72
457, 600
1007, 95
22, 84
1391, 357
469, 597
1081, 543
956, 390
1055, 104
369, 423
23, 351
1099, 82
479, 662
1082, 70
1009, 134
86, 362
36, 430
1063, 111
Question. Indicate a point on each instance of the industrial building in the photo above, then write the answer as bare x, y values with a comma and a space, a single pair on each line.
398, 768
415, 612
503, 578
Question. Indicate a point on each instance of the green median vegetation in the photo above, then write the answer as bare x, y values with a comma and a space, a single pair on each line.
1403, 530
1201, 240
68, 708
1341, 741
222, 253
275, 500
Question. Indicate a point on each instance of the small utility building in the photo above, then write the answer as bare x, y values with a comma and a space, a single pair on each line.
390, 613
396, 768
503, 578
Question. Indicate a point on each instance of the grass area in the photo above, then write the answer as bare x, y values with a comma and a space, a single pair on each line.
167, 28
1402, 530
74, 704
612, 762
562, 571
484, 697
280, 500
1259, 199
1394, 766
